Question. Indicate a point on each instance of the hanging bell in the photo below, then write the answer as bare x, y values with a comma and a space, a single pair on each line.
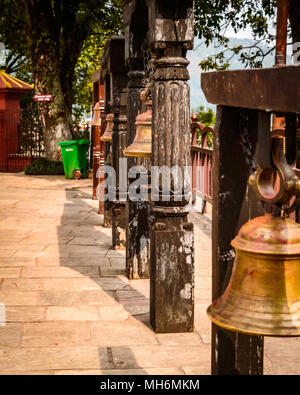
96, 121
142, 143
263, 295
107, 135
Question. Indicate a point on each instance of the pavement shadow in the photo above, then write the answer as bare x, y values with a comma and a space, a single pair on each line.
89, 252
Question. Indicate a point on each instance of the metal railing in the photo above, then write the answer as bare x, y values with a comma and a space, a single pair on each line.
201, 158
21, 140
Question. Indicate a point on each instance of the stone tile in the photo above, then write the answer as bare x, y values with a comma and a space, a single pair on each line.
37, 284
116, 254
25, 314
45, 334
74, 313
10, 335
113, 313
33, 240
17, 262
160, 356
18, 298
282, 356
53, 358
137, 309
118, 262
130, 332
203, 283
7, 253
177, 339
124, 296
202, 322
143, 284
107, 271
60, 271
120, 372
104, 283
89, 260
103, 241
76, 298
10, 272
204, 370
29, 373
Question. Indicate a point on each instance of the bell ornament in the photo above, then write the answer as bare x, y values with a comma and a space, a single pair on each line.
96, 121
107, 135
263, 295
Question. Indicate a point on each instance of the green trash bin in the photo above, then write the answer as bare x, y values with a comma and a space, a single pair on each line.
74, 154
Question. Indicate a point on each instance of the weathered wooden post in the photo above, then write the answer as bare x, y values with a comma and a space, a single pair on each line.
135, 16
115, 81
172, 240
119, 142
98, 125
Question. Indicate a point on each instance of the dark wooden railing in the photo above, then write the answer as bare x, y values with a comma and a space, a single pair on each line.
201, 162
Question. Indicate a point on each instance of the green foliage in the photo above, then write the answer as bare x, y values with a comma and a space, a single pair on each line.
206, 116
214, 18
76, 31
43, 167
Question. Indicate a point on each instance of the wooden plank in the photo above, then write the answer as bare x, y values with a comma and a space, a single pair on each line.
276, 89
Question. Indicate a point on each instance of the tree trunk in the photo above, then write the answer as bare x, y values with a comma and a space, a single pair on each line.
45, 46
56, 116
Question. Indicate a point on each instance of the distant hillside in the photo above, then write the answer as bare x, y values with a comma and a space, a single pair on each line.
200, 52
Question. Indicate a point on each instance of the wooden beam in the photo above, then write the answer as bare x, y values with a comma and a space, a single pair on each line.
276, 89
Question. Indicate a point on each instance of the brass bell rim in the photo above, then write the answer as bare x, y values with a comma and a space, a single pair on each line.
236, 322
106, 139
140, 152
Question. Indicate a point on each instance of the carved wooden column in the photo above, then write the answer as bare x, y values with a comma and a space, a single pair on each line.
96, 129
102, 151
172, 238
115, 80
135, 16
119, 142
98, 126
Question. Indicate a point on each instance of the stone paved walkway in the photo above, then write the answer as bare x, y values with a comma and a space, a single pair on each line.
69, 307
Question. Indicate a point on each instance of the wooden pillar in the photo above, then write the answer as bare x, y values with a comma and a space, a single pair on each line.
100, 185
137, 212
115, 81
119, 142
234, 203
171, 236
96, 132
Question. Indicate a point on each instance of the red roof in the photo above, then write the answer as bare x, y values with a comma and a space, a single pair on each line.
9, 82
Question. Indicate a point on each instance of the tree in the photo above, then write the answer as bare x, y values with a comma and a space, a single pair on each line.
213, 18
51, 33
206, 116
87, 64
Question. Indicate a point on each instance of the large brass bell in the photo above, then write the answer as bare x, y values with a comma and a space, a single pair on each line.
96, 121
263, 296
142, 143
107, 135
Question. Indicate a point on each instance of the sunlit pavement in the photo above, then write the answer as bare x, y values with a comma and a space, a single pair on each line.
70, 309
